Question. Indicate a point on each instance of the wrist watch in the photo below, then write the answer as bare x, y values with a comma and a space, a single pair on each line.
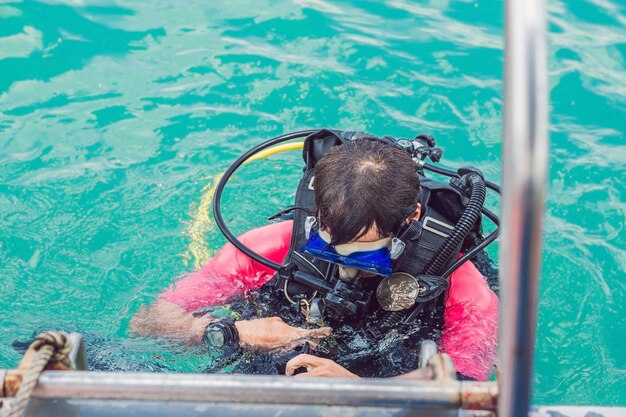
221, 334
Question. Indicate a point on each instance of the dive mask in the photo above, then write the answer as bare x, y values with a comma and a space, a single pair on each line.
374, 257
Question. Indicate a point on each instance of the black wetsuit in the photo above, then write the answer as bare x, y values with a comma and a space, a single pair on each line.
367, 346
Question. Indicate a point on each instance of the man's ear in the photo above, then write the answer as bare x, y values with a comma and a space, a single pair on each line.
416, 214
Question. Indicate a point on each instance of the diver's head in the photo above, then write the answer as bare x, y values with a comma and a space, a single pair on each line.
364, 190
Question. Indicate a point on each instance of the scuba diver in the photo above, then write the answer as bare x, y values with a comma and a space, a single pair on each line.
372, 258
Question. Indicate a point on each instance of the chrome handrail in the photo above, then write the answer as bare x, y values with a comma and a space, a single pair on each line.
525, 157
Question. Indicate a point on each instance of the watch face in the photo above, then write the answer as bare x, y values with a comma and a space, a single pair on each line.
215, 338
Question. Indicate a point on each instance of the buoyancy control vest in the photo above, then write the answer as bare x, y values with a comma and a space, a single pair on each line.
443, 208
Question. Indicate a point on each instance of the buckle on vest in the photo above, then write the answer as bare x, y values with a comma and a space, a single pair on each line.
431, 229
397, 248
309, 224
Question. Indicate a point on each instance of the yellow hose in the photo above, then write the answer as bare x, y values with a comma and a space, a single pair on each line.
274, 150
201, 220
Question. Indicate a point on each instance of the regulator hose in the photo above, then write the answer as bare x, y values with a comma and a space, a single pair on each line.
464, 225
217, 197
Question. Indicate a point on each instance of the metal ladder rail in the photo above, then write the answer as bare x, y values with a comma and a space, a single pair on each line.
525, 160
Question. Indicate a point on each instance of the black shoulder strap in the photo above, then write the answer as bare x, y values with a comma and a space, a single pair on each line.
305, 202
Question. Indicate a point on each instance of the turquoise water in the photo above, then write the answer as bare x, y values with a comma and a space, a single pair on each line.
114, 117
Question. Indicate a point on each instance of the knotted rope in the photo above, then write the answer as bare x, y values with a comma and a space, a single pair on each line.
48, 347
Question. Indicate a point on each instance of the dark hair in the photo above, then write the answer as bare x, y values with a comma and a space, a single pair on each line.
364, 183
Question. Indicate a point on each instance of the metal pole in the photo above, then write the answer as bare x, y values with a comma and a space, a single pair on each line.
436, 394
525, 157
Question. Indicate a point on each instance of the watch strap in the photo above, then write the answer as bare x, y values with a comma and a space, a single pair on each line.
227, 327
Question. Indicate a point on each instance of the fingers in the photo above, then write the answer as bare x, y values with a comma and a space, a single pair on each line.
317, 367
311, 336
301, 361
313, 345
317, 333
308, 374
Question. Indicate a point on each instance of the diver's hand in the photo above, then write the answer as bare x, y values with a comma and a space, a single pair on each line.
273, 333
317, 367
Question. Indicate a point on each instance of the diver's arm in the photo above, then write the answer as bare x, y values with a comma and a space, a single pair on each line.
167, 320
470, 331
221, 279
273, 333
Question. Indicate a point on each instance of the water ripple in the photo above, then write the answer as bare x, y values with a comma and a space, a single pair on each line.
112, 117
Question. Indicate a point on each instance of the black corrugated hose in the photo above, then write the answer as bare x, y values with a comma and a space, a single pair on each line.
464, 225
